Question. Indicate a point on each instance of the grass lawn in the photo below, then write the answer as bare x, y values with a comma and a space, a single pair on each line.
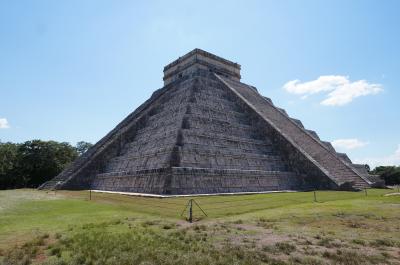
39, 227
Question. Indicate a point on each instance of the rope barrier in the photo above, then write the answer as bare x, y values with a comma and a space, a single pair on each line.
227, 201
142, 202
231, 206
150, 199
256, 203
252, 199
163, 202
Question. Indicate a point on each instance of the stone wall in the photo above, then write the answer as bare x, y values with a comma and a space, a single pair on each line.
206, 180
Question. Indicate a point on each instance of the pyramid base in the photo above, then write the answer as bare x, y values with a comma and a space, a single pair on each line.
190, 195
180, 181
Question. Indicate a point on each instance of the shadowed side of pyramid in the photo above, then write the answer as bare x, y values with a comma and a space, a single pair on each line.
206, 132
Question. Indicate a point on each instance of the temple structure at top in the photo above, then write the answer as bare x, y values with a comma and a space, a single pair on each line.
206, 132
200, 60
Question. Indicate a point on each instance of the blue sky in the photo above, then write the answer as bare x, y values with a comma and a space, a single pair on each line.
71, 70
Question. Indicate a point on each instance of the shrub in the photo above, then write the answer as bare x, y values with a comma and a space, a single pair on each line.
359, 242
285, 247
383, 242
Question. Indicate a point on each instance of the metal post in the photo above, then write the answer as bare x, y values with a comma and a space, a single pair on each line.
366, 194
315, 196
90, 195
191, 211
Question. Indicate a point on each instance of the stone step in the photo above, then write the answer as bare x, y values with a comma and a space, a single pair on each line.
232, 161
250, 150
221, 104
204, 122
209, 138
127, 163
151, 142
227, 115
199, 109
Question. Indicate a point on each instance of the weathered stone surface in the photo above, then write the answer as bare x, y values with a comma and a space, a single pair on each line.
205, 132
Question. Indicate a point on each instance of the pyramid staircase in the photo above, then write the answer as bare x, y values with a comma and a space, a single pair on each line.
333, 164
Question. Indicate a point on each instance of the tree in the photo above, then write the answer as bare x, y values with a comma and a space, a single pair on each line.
39, 161
8, 165
82, 147
391, 174
34, 162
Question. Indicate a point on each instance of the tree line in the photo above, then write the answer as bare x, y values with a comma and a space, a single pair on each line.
29, 164
391, 174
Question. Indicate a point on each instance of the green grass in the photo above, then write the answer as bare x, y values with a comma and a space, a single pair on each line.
282, 228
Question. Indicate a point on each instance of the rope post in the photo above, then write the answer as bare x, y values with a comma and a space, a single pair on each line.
191, 211
315, 196
365, 190
187, 204
90, 195
200, 208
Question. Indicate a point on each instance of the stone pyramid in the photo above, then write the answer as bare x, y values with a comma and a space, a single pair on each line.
206, 132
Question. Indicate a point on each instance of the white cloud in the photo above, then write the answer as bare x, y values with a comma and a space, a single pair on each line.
389, 160
4, 123
348, 143
341, 90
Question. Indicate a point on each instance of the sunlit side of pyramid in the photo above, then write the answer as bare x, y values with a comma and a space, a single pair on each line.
206, 132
